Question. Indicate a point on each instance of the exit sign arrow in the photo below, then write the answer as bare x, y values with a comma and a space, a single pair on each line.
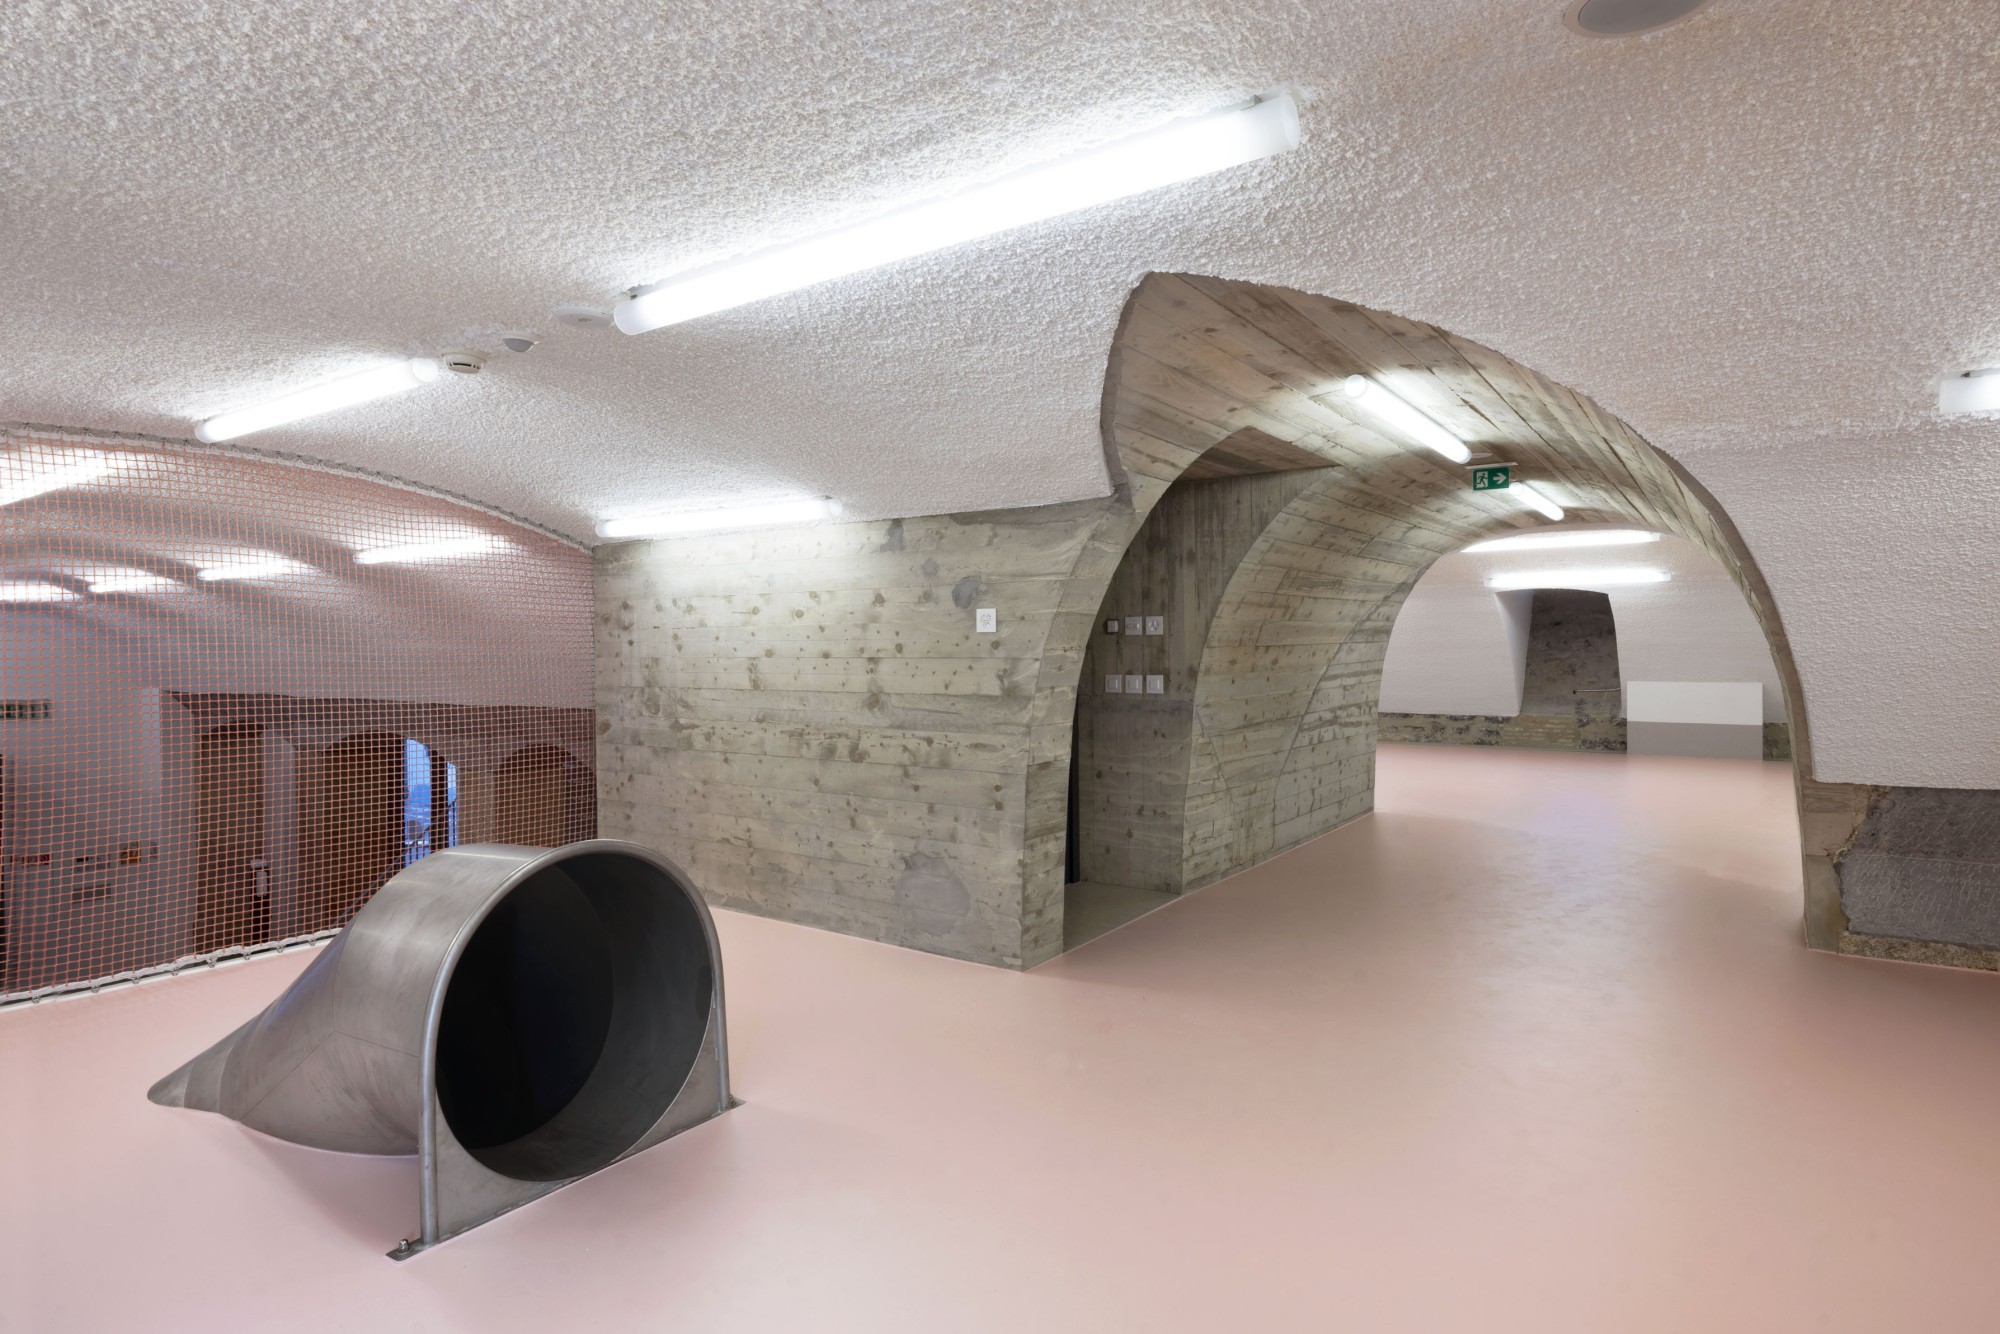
1493, 477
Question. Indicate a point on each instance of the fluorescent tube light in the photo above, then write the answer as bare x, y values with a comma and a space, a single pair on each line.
1408, 420
262, 568
75, 469
376, 382
1605, 537
1177, 152
1974, 391
441, 549
708, 521
35, 592
130, 581
1535, 500
1579, 578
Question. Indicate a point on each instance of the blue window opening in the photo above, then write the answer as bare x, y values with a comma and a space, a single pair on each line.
430, 815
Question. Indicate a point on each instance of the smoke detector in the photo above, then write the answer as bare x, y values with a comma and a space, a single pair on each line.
462, 362
582, 317
1627, 18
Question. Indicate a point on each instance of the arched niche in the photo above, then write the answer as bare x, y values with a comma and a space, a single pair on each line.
1283, 592
543, 796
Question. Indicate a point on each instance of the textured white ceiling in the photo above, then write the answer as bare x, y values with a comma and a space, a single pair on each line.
508, 627
1759, 236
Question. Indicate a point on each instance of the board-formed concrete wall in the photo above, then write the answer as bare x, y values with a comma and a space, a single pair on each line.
1134, 751
808, 720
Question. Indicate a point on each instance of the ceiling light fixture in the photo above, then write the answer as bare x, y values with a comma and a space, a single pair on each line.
442, 549
1974, 391
376, 382
35, 592
78, 468
1408, 420
1172, 153
130, 581
1579, 578
1537, 501
1626, 18
1603, 537
262, 568
774, 515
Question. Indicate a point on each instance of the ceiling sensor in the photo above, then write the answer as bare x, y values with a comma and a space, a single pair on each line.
583, 317
518, 342
463, 363
1627, 18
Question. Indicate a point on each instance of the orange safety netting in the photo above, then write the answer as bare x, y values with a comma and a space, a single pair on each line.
238, 694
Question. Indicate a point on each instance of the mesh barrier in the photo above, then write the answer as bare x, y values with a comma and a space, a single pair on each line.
237, 695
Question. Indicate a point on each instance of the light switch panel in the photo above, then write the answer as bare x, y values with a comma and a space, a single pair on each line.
986, 620
1135, 625
1156, 685
1156, 625
1111, 626
1114, 684
1135, 684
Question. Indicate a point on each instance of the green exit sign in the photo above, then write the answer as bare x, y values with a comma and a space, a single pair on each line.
1496, 478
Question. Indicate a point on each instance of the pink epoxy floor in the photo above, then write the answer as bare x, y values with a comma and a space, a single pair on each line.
1536, 1047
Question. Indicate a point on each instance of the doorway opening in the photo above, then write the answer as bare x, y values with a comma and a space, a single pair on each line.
430, 801
356, 818
232, 878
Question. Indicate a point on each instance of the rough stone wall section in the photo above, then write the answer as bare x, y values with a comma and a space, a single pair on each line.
1572, 647
1527, 731
1533, 732
1920, 878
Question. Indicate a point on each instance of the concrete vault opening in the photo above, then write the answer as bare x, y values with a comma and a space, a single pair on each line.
1228, 669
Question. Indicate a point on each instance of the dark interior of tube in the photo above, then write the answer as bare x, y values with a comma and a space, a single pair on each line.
573, 1017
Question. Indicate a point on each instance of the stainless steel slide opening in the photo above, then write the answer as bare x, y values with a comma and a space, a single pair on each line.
516, 1017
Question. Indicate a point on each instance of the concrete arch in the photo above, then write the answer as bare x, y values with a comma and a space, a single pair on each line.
1282, 665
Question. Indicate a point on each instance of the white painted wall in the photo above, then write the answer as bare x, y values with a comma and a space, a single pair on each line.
1450, 650
1730, 703
1457, 649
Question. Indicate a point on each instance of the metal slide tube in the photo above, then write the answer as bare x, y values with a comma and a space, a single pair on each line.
517, 1018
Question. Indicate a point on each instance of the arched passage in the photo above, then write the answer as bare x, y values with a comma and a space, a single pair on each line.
543, 797
355, 825
1284, 604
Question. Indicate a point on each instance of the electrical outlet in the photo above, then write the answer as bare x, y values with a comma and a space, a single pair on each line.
1156, 625
1135, 625
986, 620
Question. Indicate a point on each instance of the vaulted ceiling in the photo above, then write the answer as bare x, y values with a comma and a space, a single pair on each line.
1749, 234
509, 625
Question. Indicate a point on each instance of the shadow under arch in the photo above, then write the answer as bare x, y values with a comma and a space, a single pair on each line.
1283, 593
